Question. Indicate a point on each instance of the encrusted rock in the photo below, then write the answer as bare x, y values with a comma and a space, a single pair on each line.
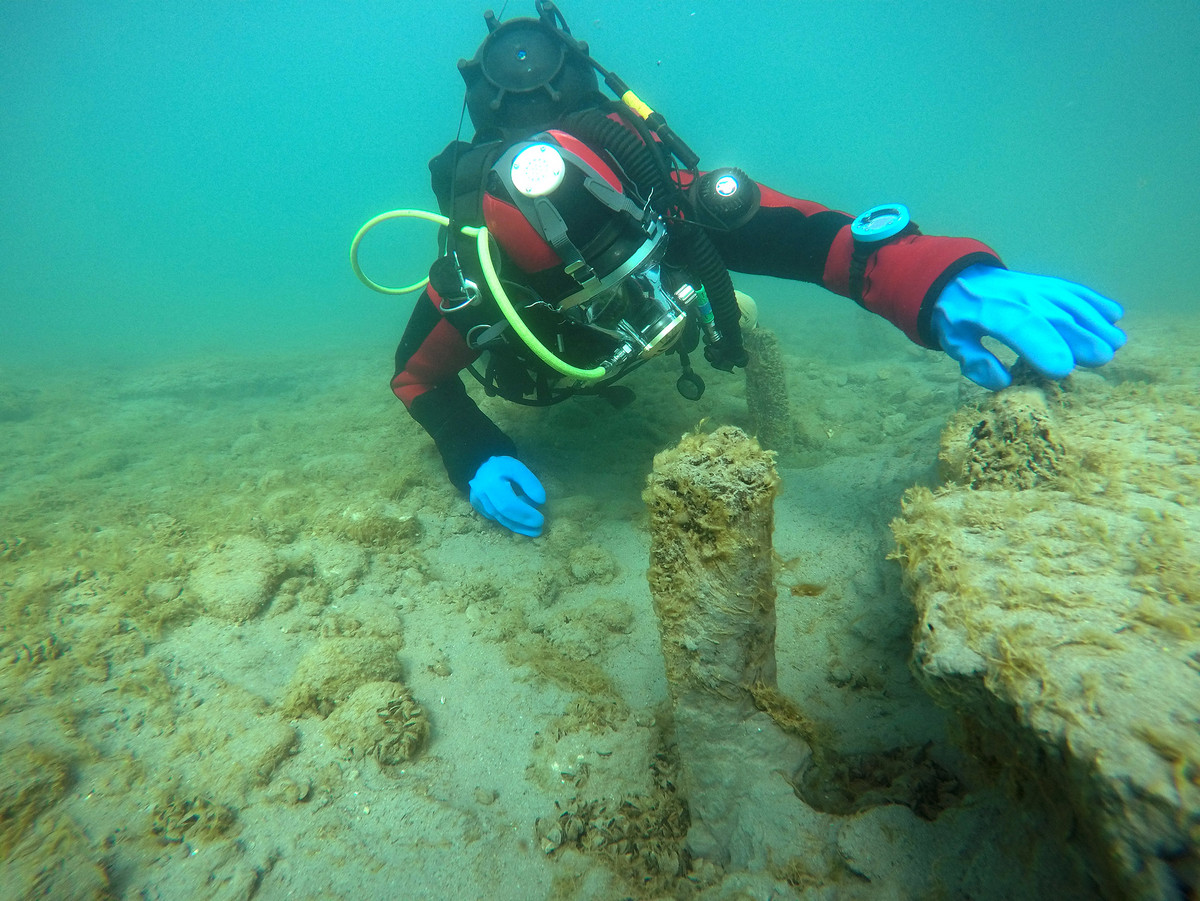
1059, 615
380, 720
330, 672
237, 580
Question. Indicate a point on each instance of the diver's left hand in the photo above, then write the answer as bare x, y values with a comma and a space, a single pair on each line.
504, 490
1054, 325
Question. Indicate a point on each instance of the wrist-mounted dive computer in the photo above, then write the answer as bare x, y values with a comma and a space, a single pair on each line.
873, 229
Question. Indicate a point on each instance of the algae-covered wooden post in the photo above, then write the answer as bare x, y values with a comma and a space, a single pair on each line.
712, 568
766, 391
712, 578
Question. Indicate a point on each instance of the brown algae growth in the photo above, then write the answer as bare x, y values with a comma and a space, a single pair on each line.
1056, 576
142, 709
252, 644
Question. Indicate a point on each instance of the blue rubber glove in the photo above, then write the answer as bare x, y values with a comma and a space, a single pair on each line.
1054, 325
493, 495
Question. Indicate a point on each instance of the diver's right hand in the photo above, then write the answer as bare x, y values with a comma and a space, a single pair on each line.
726, 353
494, 494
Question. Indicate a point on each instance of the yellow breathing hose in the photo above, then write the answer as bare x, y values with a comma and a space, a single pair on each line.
484, 249
371, 223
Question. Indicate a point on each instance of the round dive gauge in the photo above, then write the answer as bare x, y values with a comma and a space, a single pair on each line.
880, 223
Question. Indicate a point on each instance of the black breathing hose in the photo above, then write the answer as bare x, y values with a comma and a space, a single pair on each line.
631, 151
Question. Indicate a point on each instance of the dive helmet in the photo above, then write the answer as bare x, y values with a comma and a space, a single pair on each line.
589, 249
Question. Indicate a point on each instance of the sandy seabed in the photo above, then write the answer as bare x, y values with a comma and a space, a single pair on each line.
253, 644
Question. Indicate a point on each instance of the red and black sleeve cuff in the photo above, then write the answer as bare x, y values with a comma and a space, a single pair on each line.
904, 278
464, 436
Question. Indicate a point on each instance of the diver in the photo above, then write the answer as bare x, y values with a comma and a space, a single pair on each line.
581, 239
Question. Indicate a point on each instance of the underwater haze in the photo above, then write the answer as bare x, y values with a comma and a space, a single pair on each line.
181, 177
254, 644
